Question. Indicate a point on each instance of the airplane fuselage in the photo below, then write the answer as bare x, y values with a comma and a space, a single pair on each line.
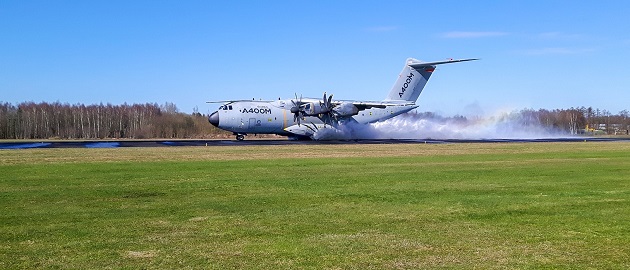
264, 117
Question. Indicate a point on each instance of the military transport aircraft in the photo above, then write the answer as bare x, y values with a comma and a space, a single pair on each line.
307, 117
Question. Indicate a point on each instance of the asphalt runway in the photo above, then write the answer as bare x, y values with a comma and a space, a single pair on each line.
175, 143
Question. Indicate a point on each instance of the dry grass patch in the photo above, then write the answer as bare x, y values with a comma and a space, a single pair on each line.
141, 254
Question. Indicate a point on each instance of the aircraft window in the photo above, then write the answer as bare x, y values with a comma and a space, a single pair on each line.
230, 107
222, 107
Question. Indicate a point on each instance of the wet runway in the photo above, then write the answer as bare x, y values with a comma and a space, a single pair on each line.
174, 143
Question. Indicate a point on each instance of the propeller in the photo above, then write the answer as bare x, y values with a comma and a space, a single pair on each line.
327, 105
325, 110
297, 111
328, 108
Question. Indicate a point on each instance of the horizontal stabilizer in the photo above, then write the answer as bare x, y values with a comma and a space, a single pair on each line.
427, 64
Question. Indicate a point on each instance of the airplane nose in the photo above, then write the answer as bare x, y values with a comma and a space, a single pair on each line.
214, 119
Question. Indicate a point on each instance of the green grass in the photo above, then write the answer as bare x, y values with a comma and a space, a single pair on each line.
547, 205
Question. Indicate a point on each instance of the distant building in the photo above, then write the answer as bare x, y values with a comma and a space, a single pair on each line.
616, 129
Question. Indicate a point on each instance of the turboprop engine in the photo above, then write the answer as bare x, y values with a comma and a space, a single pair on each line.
345, 109
301, 109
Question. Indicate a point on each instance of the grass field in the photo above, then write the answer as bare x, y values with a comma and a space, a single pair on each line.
533, 205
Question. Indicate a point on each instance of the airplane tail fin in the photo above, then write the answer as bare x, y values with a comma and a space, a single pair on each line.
413, 78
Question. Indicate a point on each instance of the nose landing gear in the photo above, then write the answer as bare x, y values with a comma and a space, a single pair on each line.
240, 137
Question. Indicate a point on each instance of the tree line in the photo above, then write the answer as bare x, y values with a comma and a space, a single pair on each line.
29, 120
581, 120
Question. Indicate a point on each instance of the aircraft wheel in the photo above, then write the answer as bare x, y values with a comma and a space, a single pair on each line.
240, 137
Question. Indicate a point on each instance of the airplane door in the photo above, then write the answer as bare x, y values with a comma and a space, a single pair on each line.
253, 123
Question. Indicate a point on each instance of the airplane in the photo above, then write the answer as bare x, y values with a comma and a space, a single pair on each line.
310, 118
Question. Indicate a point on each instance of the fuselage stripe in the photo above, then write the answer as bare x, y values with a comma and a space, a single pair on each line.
284, 119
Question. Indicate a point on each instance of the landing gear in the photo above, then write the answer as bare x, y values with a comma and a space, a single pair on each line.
240, 137
299, 138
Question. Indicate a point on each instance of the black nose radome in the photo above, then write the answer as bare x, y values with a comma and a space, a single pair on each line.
214, 119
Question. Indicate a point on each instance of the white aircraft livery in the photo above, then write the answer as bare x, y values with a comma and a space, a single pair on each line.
309, 117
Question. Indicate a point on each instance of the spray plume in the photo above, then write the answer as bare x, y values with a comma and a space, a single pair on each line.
431, 126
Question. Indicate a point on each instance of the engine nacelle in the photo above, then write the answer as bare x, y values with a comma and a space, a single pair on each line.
312, 108
346, 109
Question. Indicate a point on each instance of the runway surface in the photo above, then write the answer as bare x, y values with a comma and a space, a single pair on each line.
173, 143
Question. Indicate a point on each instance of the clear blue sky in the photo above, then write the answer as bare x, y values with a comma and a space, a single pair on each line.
535, 54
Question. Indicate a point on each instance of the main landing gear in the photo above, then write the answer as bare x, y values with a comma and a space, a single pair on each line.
239, 136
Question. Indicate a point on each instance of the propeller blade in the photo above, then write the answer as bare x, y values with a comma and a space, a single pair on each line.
310, 128
330, 102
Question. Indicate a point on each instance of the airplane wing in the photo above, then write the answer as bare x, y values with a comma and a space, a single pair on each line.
238, 100
364, 105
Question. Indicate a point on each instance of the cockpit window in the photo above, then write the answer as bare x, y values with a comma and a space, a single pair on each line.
230, 107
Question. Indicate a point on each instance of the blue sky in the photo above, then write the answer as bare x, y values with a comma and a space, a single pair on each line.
535, 54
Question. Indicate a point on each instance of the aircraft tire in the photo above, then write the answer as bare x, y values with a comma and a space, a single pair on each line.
240, 137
